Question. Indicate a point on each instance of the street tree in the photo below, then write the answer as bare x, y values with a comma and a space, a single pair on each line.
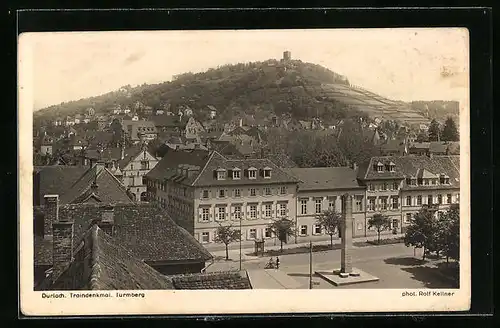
450, 131
226, 235
422, 137
330, 220
421, 231
448, 233
434, 131
380, 223
282, 228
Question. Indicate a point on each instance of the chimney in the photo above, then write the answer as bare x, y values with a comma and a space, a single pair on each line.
107, 221
51, 213
62, 244
122, 151
241, 122
354, 166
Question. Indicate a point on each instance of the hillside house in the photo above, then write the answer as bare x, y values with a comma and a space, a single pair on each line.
193, 129
139, 131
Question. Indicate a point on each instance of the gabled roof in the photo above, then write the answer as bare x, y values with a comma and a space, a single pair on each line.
410, 166
109, 188
142, 228
325, 178
56, 179
105, 264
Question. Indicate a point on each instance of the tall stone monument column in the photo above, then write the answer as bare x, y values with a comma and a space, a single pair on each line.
346, 230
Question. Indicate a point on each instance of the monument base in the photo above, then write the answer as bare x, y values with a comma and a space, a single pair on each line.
338, 278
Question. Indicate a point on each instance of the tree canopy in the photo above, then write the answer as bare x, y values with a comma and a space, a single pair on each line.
330, 220
434, 131
282, 228
450, 131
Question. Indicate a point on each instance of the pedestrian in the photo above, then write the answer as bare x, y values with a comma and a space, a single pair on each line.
277, 262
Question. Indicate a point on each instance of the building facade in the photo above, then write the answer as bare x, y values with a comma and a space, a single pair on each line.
246, 193
398, 186
321, 189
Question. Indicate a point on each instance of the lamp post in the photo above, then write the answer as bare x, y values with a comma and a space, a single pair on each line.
240, 241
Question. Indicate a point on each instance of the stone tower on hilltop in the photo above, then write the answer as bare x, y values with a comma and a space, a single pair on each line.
287, 56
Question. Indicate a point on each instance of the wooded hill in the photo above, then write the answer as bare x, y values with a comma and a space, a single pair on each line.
302, 90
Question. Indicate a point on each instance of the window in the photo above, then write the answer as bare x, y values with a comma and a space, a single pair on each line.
267, 210
391, 167
303, 230
205, 214
253, 234
448, 199
222, 213
457, 197
440, 199
267, 173
408, 181
419, 200
331, 203
253, 211
407, 219
408, 200
252, 192
237, 212
434, 181
237, 193
317, 229
420, 181
429, 200
267, 233
380, 167
131, 166
252, 173
395, 186
395, 203
222, 193
236, 174
283, 190
371, 187
384, 186
383, 203
426, 182
283, 209
371, 204
317, 205
221, 175
205, 237
303, 206
359, 203
267, 191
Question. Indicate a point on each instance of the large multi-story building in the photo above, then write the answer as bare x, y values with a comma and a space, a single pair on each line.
398, 186
208, 191
320, 189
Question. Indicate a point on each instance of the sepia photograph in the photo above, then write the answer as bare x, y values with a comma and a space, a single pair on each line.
263, 170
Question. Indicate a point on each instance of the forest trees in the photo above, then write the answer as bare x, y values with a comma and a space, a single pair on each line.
450, 131
434, 131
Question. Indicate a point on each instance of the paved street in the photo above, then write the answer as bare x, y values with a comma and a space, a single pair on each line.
395, 266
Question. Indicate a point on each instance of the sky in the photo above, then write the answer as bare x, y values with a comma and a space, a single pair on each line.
401, 64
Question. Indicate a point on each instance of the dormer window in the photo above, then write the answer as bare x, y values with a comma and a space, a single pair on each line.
236, 173
391, 167
380, 167
267, 173
221, 174
444, 179
252, 173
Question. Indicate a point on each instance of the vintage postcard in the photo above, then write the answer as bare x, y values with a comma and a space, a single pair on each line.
244, 171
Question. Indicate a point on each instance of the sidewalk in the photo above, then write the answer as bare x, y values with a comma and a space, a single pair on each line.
249, 248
